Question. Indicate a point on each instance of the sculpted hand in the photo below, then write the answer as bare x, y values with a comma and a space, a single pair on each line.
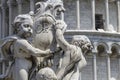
48, 51
60, 25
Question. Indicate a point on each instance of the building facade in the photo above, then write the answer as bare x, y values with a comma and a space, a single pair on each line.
97, 19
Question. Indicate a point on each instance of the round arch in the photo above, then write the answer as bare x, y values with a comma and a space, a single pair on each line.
102, 48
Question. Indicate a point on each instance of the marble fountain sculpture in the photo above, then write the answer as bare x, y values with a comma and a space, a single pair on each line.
38, 50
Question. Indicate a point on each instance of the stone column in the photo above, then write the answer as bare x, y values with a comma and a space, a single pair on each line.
3, 7
118, 77
62, 14
0, 23
93, 14
0, 36
118, 15
32, 6
106, 15
108, 67
19, 2
10, 5
78, 13
94, 67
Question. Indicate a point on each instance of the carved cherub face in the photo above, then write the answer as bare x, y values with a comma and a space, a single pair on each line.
23, 25
25, 29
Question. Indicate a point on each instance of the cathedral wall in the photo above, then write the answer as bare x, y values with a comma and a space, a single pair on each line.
86, 14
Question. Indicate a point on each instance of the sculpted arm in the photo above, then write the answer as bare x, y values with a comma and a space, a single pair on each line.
82, 63
59, 36
28, 48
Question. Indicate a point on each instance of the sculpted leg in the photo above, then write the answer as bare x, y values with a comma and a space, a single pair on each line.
76, 73
21, 69
68, 76
75, 76
65, 63
20, 74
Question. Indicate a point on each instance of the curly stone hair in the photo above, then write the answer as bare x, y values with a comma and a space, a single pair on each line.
46, 74
83, 42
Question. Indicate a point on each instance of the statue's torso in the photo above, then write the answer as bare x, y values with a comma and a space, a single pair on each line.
44, 40
18, 51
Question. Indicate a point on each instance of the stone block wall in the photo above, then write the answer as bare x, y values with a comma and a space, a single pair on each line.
87, 72
70, 14
86, 13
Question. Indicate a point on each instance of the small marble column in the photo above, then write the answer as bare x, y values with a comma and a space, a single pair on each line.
32, 6
62, 14
118, 15
108, 67
78, 13
19, 2
118, 77
94, 67
3, 7
93, 14
0, 23
10, 5
106, 15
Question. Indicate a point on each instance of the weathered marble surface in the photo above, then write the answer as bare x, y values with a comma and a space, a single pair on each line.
48, 56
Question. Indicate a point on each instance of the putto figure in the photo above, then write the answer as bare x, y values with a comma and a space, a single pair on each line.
73, 60
45, 58
20, 49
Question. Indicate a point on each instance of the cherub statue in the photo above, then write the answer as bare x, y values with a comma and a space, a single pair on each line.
21, 51
49, 31
44, 26
73, 60
47, 39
